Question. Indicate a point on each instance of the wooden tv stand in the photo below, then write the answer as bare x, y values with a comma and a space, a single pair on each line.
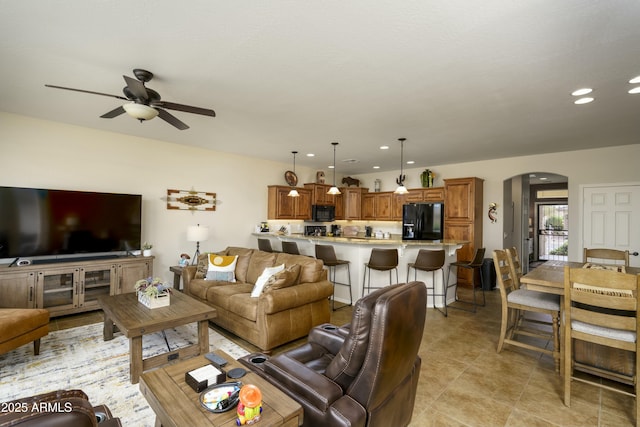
71, 286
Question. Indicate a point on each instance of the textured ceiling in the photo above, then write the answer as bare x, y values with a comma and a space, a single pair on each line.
460, 80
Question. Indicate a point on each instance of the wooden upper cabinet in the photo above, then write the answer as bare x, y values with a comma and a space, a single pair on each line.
463, 199
434, 194
281, 206
319, 194
383, 205
415, 195
353, 201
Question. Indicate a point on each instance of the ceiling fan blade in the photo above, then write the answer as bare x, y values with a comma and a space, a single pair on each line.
185, 108
137, 88
171, 119
113, 113
87, 91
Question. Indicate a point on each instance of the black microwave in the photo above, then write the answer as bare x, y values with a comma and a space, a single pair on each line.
323, 213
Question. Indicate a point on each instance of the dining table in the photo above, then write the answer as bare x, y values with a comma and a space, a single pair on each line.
549, 278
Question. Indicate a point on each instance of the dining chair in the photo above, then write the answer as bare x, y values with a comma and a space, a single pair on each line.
610, 256
380, 260
473, 265
517, 303
290, 248
429, 260
517, 263
601, 308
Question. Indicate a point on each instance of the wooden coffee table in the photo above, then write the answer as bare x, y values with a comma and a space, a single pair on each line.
135, 320
176, 404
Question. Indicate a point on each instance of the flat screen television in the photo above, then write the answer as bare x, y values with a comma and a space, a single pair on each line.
58, 223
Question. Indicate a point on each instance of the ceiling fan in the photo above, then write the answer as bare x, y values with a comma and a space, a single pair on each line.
145, 103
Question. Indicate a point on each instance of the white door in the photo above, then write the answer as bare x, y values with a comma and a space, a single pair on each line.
612, 218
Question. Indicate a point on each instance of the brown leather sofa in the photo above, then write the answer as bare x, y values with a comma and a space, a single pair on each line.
362, 374
19, 326
280, 314
62, 408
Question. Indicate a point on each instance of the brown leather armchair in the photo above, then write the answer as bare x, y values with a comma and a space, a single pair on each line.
62, 408
362, 374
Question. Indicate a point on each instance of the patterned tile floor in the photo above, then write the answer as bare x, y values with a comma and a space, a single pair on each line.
464, 382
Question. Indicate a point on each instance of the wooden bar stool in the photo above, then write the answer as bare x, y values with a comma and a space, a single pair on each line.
380, 260
327, 254
432, 261
474, 264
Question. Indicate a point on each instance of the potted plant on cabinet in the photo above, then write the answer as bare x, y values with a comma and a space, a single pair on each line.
146, 249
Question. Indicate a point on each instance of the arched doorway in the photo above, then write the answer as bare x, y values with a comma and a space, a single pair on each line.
536, 216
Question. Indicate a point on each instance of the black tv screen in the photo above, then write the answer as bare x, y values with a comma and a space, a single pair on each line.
38, 222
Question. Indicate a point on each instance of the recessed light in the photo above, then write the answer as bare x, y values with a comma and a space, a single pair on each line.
384, 147
635, 80
376, 167
584, 100
310, 155
583, 91
634, 90
410, 162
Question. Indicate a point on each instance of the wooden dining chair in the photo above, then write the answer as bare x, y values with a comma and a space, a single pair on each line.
600, 307
517, 303
606, 256
517, 264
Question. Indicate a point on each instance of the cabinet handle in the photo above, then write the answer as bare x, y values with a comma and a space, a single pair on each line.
30, 293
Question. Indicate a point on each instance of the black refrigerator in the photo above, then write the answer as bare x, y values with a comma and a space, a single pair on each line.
422, 221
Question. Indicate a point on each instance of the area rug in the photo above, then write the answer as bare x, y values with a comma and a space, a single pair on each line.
79, 358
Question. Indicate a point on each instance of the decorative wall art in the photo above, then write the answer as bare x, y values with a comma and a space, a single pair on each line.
191, 200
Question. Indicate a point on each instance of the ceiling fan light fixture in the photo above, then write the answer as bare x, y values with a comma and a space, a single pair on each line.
140, 111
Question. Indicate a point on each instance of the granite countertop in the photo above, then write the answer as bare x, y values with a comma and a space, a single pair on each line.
393, 240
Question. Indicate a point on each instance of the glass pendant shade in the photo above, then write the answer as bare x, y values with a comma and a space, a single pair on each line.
140, 111
401, 188
294, 192
334, 190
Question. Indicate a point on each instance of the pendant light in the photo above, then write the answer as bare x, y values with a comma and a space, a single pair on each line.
400, 180
334, 190
294, 192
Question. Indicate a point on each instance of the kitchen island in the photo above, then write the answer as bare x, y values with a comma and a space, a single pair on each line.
357, 249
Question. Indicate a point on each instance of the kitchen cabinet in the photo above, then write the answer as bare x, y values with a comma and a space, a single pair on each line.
415, 195
353, 201
377, 206
319, 194
281, 206
463, 220
339, 202
70, 287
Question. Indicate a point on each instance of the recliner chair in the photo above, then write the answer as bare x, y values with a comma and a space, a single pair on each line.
362, 374
66, 408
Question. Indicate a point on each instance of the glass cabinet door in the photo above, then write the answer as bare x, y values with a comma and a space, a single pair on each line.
58, 289
93, 283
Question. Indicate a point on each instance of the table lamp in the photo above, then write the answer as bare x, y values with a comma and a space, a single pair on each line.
197, 234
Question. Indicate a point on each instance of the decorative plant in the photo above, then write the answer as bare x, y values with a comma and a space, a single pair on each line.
152, 287
146, 246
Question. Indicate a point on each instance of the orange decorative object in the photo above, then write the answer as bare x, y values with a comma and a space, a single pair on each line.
250, 405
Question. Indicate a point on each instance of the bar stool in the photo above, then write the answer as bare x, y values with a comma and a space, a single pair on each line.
327, 254
265, 245
432, 261
473, 265
380, 260
290, 248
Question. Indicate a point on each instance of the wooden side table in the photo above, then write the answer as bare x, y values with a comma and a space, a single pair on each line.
177, 275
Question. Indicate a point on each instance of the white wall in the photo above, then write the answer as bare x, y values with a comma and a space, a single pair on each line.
36, 153
607, 165
43, 154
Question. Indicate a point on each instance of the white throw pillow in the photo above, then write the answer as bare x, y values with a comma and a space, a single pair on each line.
221, 268
264, 277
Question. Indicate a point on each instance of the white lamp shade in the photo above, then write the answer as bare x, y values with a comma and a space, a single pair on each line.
140, 111
293, 193
333, 191
401, 190
195, 233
